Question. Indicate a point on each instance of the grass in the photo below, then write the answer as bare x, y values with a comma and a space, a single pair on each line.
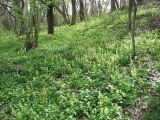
81, 72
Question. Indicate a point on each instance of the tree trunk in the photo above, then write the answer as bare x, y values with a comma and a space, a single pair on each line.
86, 8
117, 4
74, 12
96, 7
92, 10
99, 7
28, 42
63, 13
122, 4
50, 19
133, 30
139, 2
65, 10
130, 15
81, 12
22, 26
113, 6
35, 42
32, 34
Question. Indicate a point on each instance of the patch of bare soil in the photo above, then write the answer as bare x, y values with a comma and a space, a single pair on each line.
155, 76
153, 22
142, 103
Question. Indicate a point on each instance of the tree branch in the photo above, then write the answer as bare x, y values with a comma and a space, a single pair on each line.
6, 6
42, 2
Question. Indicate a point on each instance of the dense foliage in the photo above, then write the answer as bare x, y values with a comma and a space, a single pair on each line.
82, 72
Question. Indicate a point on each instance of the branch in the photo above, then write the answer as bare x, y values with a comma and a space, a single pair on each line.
2, 14
105, 2
59, 10
4, 5
43, 2
10, 13
5, 9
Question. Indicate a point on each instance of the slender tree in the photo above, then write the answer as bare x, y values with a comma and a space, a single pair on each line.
65, 11
130, 15
99, 7
140, 2
50, 14
50, 19
86, 6
132, 24
117, 4
32, 23
133, 29
81, 11
122, 4
113, 5
74, 12
62, 9
92, 9
22, 26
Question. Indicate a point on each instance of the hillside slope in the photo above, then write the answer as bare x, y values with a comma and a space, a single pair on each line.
82, 72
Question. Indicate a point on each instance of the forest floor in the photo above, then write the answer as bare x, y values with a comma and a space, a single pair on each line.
84, 71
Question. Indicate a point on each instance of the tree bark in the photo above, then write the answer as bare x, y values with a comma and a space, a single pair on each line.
63, 13
35, 42
86, 8
74, 12
65, 10
113, 6
122, 4
133, 29
130, 15
81, 12
22, 26
117, 4
92, 10
139, 2
50, 19
99, 7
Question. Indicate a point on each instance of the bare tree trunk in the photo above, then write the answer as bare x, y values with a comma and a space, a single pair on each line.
65, 10
92, 10
130, 15
122, 4
96, 7
50, 19
21, 32
28, 43
140, 2
63, 13
35, 42
32, 30
99, 7
86, 8
113, 6
116, 3
133, 30
74, 12
81, 12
